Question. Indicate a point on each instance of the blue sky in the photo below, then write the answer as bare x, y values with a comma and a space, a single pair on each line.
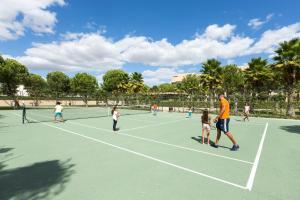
156, 38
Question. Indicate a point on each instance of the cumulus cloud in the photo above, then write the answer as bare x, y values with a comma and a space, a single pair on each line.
158, 76
270, 39
17, 16
257, 23
96, 52
78, 52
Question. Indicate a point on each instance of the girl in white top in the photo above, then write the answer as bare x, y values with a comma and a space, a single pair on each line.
115, 115
205, 119
58, 112
246, 112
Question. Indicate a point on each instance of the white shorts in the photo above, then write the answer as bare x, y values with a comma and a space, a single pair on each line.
206, 127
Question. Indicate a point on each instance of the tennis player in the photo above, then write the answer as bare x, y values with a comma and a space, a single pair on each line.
206, 119
58, 112
190, 112
246, 112
115, 114
155, 109
222, 123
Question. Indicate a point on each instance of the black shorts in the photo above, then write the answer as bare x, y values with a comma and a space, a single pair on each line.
223, 125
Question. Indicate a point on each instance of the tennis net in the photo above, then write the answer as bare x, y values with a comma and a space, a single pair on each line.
46, 114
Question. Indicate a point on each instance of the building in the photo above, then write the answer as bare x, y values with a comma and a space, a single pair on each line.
21, 91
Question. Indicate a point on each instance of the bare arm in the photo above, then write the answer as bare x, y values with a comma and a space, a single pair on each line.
221, 112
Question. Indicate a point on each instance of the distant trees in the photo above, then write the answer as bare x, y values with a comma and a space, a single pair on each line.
36, 87
84, 85
114, 79
12, 74
58, 84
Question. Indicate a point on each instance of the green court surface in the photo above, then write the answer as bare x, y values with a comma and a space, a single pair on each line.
151, 157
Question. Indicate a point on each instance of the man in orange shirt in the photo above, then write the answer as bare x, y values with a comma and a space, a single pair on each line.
222, 121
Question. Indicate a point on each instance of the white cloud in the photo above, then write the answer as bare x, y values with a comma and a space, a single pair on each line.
96, 52
17, 16
161, 75
79, 52
270, 39
216, 32
257, 23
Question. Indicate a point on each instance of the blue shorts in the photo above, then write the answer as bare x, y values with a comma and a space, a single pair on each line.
223, 125
58, 114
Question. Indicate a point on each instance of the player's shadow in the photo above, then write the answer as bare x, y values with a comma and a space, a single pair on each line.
212, 143
5, 150
41, 180
291, 129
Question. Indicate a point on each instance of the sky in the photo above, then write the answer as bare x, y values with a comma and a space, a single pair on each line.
158, 38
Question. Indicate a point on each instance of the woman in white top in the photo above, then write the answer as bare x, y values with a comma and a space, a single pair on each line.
58, 112
115, 115
246, 112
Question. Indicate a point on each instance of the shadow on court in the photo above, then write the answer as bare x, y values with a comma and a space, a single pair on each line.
5, 150
37, 181
199, 139
291, 129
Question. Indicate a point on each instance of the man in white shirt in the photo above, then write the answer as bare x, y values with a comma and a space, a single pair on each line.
58, 112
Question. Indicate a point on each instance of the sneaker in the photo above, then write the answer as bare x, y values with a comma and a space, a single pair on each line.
235, 147
215, 145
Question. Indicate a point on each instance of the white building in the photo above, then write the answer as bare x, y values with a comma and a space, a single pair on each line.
21, 91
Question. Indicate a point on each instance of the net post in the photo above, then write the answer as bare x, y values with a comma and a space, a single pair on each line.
23, 115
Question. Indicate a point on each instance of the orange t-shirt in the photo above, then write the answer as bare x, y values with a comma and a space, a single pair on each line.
225, 103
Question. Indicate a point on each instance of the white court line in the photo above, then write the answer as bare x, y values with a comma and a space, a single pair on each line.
256, 161
146, 156
164, 143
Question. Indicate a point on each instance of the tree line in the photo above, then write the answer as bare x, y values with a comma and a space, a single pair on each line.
277, 80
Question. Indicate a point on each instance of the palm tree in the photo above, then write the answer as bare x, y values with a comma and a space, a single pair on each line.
287, 62
137, 77
211, 78
258, 76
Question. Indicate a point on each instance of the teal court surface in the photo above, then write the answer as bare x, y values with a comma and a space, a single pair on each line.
150, 157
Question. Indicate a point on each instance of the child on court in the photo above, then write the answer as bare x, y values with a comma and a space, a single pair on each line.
116, 115
154, 109
246, 112
190, 112
206, 119
58, 112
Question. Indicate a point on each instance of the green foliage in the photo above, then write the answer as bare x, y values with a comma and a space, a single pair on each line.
211, 78
1, 60
113, 79
259, 75
84, 85
12, 74
58, 83
36, 86
136, 77
167, 87
233, 79
134, 85
287, 64
190, 84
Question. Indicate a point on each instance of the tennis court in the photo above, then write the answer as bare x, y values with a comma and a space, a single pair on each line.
151, 157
